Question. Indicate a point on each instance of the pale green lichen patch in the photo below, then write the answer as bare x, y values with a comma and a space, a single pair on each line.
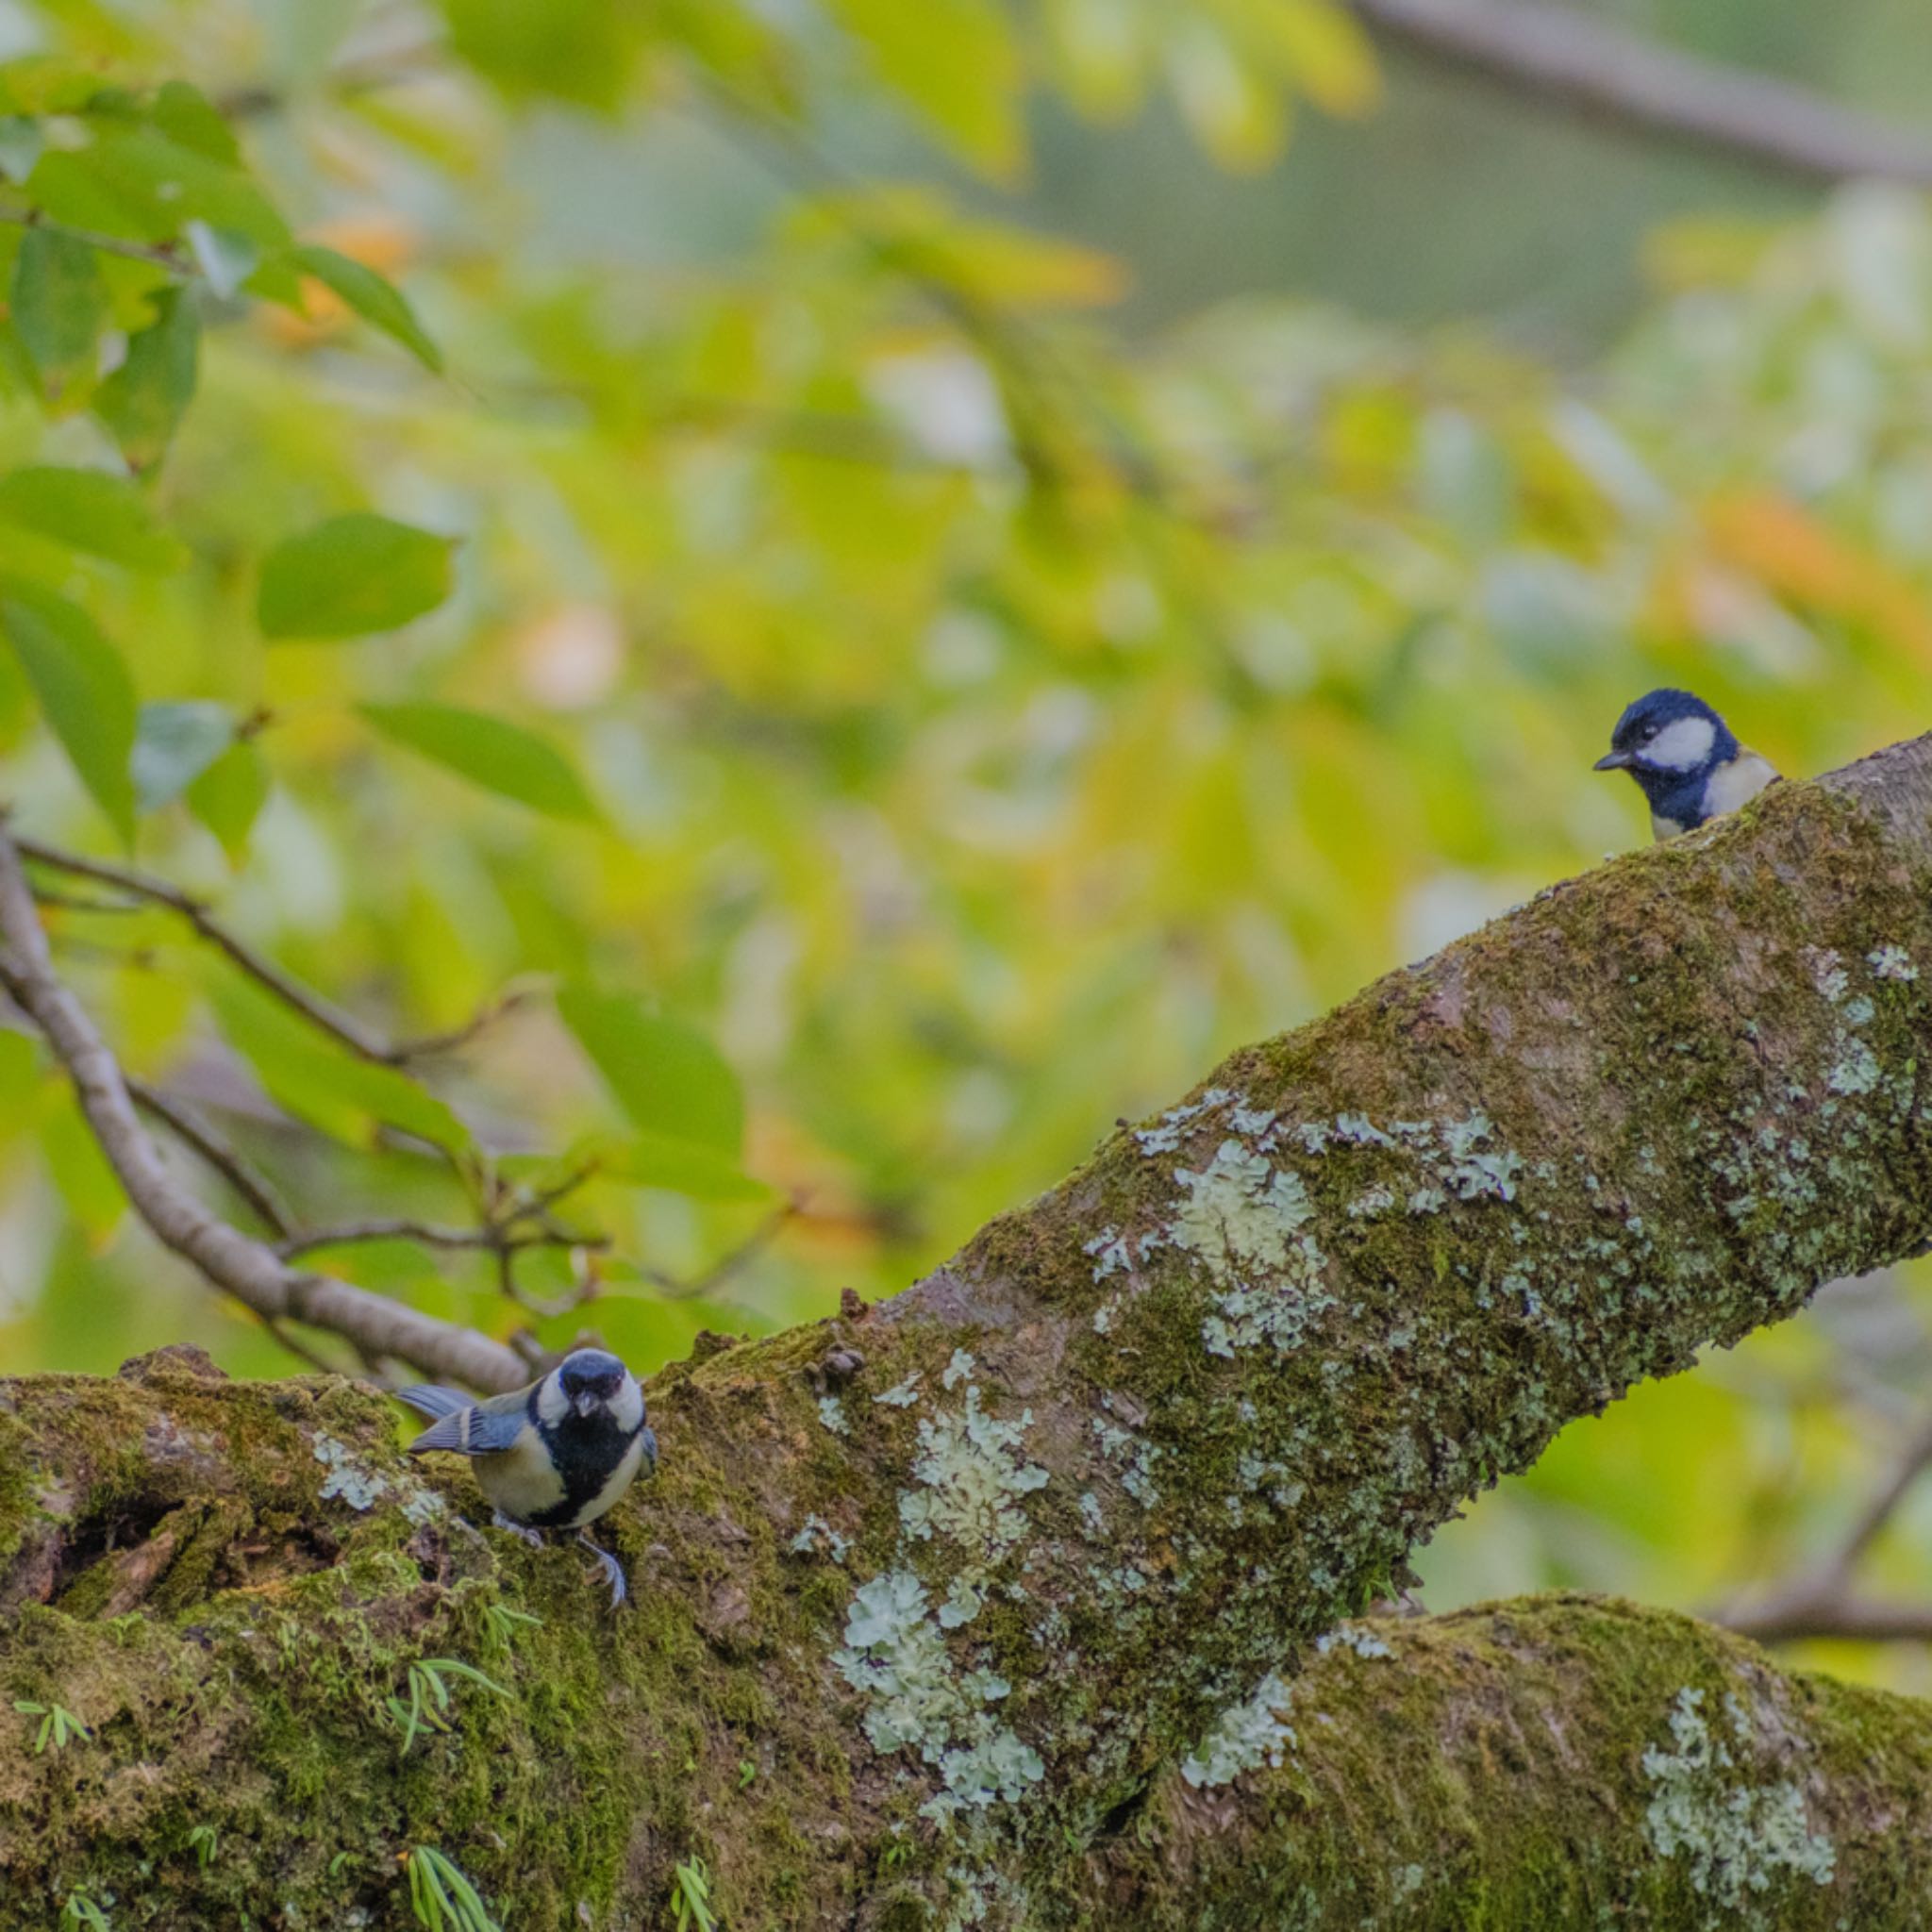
1742, 1839
917, 1699
973, 1473
1243, 1737
362, 1487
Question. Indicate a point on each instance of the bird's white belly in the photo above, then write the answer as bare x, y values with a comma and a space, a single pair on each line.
523, 1481
1662, 828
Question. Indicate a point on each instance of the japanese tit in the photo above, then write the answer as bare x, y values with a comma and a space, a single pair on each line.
1685, 758
555, 1456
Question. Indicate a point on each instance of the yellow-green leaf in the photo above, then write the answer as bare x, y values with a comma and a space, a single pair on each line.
142, 401
326, 1085
666, 1076
90, 510
492, 752
956, 61
60, 304
85, 693
227, 798
351, 575
373, 296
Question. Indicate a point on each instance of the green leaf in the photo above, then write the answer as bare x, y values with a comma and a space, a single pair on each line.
142, 403
309, 1076
174, 744
90, 510
956, 61
667, 1077
190, 120
373, 296
680, 1167
573, 49
136, 181
351, 575
227, 798
60, 304
84, 690
492, 752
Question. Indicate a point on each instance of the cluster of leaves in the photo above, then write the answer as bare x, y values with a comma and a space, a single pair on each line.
757, 572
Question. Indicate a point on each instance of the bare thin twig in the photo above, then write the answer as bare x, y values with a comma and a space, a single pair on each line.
1561, 56
494, 1237
235, 1263
324, 1015
194, 1131
156, 253
733, 1259
1821, 1602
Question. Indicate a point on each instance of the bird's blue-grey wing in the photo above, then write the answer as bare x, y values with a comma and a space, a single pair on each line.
475, 1429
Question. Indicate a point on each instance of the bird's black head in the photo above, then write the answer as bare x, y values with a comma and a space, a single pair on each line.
588, 1380
1668, 737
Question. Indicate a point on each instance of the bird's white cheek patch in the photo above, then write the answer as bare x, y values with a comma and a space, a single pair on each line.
1682, 747
553, 1405
627, 1406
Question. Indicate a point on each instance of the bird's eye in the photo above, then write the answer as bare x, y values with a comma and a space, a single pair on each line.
1649, 732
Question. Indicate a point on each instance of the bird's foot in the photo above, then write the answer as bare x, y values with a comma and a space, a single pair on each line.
533, 1537
613, 1570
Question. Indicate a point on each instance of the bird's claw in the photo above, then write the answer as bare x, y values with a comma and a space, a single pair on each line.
533, 1537
613, 1570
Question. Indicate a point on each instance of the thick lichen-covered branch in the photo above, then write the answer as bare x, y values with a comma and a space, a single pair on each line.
1561, 1761
937, 1599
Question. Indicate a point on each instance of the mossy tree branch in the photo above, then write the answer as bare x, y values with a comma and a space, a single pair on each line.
935, 1601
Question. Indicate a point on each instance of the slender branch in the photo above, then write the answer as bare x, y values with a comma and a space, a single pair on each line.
1559, 57
326, 1017
494, 1237
233, 1261
158, 254
733, 1259
1820, 1601
194, 1132
1833, 1613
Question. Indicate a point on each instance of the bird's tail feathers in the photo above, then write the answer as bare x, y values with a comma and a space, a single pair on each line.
433, 1399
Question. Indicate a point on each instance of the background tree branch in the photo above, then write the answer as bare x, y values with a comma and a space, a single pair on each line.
1559, 57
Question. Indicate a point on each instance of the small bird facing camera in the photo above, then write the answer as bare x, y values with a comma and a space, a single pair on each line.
555, 1456
1685, 758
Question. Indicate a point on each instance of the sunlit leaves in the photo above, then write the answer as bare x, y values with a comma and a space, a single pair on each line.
142, 401
351, 575
83, 688
325, 1084
490, 752
90, 510
575, 50
373, 296
955, 61
228, 795
138, 182
60, 304
665, 1074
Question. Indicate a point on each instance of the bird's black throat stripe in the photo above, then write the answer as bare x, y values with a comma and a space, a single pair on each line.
584, 1451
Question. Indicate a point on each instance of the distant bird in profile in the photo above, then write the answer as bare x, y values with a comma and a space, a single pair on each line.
555, 1456
1685, 758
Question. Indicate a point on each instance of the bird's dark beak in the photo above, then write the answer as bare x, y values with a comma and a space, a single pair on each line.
1614, 762
587, 1402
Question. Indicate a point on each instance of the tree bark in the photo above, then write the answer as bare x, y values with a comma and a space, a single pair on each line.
940, 1605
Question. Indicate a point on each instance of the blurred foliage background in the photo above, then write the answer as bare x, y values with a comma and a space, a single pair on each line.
1043, 542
